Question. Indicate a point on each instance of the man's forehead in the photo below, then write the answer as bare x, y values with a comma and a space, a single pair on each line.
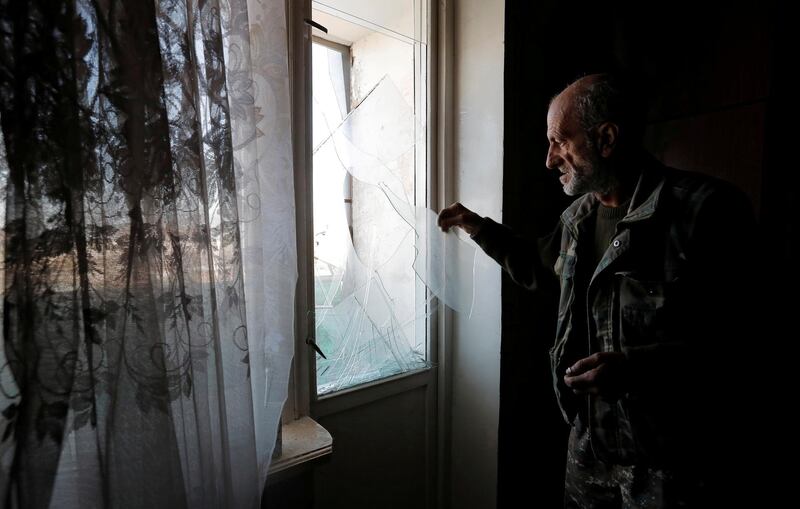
558, 115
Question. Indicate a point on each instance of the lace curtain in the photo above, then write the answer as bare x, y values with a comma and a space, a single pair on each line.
148, 251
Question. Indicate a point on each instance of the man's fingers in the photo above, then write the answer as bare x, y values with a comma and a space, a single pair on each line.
600, 373
445, 215
584, 365
585, 383
445, 223
458, 215
451, 216
582, 384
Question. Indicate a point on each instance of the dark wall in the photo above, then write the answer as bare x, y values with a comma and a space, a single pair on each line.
378, 458
716, 78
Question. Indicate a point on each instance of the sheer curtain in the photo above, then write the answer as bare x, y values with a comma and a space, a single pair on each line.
148, 251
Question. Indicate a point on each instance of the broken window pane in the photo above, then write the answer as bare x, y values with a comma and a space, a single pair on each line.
378, 255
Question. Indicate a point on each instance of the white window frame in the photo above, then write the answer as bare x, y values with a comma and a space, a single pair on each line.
302, 392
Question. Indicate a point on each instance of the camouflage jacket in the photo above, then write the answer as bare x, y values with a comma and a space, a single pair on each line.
670, 292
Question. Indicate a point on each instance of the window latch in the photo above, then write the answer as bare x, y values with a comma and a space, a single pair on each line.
315, 24
315, 346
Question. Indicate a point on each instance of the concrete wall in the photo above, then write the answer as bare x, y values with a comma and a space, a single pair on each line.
478, 158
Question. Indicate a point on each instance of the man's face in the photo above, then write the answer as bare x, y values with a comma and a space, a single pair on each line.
572, 152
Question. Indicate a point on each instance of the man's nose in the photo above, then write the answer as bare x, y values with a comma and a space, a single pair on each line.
552, 160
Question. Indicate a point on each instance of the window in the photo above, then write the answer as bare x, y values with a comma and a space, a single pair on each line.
370, 157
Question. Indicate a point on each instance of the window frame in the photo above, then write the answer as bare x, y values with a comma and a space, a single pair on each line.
440, 173
306, 396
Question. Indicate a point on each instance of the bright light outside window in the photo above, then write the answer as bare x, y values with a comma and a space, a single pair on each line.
370, 158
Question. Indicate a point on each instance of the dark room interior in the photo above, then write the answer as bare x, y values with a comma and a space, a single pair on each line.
247, 257
716, 77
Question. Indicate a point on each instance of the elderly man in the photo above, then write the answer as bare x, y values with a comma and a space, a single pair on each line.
650, 265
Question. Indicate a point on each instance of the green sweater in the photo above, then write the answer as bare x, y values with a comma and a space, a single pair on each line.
606, 220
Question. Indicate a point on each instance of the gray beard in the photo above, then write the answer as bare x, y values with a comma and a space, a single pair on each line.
600, 180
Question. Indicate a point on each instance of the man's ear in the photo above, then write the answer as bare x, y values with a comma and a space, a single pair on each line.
607, 138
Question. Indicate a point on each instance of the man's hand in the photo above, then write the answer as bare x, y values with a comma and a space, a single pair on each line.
459, 215
602, 373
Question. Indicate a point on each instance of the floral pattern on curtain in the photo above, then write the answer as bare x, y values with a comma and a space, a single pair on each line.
148, 251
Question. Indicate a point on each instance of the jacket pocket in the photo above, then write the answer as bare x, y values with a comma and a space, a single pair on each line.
560, 355
644, 309
564, 397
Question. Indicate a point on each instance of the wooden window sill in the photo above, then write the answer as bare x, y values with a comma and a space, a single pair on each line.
305, 443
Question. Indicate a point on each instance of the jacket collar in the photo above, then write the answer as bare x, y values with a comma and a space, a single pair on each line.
646, 196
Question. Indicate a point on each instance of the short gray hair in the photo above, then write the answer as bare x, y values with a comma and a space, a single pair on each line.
608, 98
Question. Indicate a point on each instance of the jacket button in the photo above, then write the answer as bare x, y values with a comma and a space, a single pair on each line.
616, 243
